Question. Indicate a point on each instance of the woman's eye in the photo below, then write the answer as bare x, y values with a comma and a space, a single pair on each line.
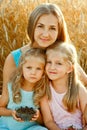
53, 28
29, 67
39, 26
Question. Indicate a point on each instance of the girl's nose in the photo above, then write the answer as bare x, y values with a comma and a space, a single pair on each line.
33, 71
52, 66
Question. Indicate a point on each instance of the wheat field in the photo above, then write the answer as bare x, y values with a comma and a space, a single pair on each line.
13, 26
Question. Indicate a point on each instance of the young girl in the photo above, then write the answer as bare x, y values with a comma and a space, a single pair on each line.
64, 105
26, 88
45, 26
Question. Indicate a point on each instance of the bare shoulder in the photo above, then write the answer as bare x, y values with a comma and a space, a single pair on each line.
9, 60
26, 47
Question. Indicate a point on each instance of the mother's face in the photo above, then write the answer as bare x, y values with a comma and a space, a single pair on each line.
46, 30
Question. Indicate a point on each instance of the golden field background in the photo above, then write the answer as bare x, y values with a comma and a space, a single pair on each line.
13, 26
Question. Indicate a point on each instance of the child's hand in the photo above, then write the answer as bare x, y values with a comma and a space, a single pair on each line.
15, 116
36, 115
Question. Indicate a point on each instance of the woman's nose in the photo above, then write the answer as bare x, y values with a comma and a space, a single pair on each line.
45, 32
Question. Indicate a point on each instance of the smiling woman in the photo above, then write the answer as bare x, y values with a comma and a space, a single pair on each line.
46, 30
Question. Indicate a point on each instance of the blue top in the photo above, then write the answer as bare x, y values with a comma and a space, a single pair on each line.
16, 56
9, 123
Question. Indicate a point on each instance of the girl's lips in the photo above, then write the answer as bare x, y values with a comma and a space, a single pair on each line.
52, 72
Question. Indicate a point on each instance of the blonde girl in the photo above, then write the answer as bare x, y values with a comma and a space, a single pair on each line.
25, 88
65, 103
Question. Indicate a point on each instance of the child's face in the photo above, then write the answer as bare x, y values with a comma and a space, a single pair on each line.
56, 67
33, 69
46, 30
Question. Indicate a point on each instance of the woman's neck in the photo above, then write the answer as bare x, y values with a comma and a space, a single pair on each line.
35, 45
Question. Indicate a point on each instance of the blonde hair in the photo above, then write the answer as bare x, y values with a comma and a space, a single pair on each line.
17, 77
48, 8
68, 51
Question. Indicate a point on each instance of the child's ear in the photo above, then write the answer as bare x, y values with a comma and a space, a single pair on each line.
70, 69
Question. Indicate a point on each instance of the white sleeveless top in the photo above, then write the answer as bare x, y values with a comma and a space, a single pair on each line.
63, 118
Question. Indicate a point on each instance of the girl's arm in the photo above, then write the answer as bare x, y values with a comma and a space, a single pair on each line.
83, 103
83, 97
47, 116
82, 74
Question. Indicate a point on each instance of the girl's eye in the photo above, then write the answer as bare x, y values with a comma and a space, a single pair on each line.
48, 62
38, 68
29, 67
59, 63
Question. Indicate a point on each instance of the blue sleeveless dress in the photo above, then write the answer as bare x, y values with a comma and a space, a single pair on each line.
9, 123
16, 56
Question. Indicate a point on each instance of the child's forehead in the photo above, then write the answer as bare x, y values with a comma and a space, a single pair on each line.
35, 58
56, 53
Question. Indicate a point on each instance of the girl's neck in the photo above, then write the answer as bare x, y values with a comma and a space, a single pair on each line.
60, 86
28, 86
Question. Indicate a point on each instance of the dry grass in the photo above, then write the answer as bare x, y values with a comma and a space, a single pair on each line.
13, 24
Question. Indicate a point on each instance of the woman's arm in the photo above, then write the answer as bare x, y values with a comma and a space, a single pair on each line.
9, 67
5, 112
47, 116
3, 103
4, 98
82, 75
